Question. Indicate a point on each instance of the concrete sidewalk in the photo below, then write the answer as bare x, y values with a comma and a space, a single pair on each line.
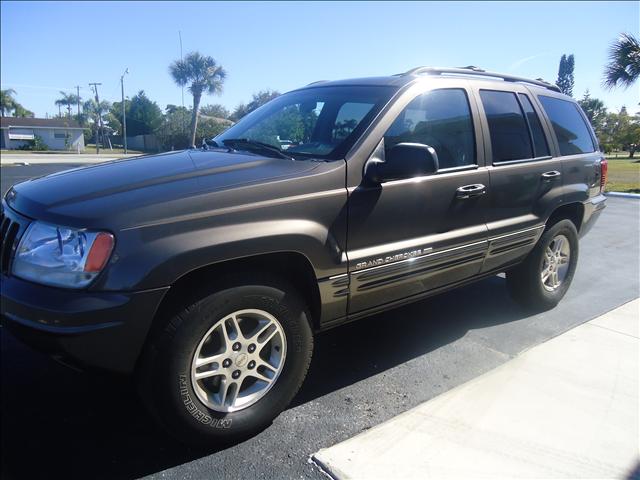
567, 408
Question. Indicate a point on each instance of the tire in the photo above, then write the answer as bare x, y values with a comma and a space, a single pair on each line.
189, 407
525, 282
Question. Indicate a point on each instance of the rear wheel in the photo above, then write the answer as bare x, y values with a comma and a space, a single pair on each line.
544, 277
229, 362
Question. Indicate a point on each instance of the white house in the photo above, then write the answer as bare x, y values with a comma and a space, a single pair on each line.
56, 133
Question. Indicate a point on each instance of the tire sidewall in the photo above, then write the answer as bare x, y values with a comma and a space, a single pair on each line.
568, 229
190, 416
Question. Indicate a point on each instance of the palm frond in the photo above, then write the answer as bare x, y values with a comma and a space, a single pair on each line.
201, 72
623, 68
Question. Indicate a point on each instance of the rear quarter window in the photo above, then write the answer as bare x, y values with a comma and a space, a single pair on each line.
569, 126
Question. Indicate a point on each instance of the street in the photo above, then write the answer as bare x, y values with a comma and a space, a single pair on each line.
57, 422
59, 158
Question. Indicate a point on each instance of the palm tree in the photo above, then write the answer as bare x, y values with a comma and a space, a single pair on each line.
204, 76
67, 100
92, 109
20, 111
623, 68
7, 102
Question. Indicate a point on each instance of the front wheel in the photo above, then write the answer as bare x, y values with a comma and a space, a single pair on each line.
227, 364
544, 277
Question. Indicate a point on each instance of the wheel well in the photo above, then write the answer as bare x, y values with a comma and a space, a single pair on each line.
291, 266
571, 211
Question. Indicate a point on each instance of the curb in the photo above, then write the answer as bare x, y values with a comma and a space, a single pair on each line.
471, 431
622, 195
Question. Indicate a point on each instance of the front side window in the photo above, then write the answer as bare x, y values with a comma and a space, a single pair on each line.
568, 125
507, 126
320, 122
348, 118
440, 119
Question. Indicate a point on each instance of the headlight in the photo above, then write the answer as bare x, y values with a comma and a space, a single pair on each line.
61, 256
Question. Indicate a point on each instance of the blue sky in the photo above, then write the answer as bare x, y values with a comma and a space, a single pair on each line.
51, 46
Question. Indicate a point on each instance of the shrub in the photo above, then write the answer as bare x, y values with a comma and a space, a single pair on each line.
36, 145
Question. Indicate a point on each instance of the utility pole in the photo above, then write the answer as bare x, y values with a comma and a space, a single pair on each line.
78, 95
99, 122
183, 116
124, 112
180, 35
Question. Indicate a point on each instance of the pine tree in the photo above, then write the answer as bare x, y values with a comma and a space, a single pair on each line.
565, 74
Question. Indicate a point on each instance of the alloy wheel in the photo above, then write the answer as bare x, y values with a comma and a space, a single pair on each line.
555, 265
238, 360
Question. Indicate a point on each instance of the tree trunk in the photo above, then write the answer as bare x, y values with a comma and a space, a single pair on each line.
194, 117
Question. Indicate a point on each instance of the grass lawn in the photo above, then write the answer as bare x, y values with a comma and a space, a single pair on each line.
623, 174
91, 148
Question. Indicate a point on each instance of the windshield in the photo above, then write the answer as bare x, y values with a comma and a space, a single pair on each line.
316, 122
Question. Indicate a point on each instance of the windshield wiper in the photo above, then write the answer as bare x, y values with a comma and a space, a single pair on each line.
265, 147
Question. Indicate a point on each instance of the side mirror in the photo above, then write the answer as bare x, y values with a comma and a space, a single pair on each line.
404, 160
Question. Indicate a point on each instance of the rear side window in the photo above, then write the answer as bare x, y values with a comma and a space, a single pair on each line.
507, 126
441, 119
541, 148
569, 126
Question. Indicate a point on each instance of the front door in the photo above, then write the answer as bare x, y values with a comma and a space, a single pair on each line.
412, 235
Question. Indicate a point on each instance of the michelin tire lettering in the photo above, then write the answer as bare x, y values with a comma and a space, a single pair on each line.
198, 414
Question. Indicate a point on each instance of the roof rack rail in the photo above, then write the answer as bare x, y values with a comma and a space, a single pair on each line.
475, 71
317, 81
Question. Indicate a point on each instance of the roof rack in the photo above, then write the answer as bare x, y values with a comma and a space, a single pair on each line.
317, 81
475, 71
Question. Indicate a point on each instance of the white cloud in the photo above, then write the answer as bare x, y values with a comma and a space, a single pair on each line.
518, 63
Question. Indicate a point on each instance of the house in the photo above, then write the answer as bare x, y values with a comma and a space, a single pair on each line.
56, 133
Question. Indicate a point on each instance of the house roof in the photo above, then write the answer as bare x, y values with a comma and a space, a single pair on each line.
21, 122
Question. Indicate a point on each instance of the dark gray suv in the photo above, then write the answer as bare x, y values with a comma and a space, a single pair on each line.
206, 272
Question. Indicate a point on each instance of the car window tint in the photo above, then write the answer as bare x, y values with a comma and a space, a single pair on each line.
568, 125
441, 119
508, 129
348, 118
539, 141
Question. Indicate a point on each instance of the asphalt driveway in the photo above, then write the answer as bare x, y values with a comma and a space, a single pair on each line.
58, 422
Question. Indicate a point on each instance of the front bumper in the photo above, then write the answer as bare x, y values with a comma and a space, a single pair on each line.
92, 329
592, 210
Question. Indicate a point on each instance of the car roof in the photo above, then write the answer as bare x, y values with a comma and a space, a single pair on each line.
472, 73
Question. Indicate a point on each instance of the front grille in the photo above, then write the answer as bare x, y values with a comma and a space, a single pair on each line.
12, 226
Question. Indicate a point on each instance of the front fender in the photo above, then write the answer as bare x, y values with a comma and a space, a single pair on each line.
306, 215
163, 260
152, 256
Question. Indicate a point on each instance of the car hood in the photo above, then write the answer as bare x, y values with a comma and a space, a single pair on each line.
131, 189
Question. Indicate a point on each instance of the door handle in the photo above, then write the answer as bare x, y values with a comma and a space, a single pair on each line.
552, 175
469, 191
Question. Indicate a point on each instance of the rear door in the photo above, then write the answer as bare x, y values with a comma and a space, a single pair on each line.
526, 178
